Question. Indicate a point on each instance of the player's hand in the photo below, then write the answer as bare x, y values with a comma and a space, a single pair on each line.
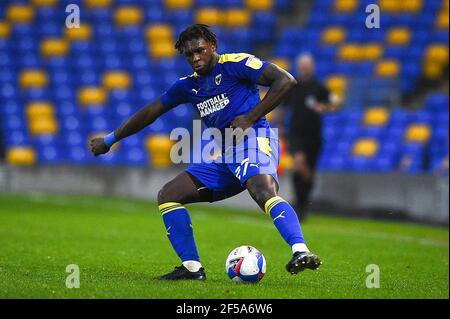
97, 146
242, 121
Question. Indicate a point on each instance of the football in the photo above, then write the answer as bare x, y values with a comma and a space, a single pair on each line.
245, 264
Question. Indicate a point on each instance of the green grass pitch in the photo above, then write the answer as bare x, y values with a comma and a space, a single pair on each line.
120, 246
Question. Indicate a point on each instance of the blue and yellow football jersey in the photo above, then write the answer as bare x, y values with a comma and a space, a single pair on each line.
228, 91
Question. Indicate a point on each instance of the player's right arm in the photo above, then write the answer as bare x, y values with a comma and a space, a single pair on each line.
141, 119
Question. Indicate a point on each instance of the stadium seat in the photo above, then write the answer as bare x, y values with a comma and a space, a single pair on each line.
345, 5
159, 32
350, 52
372, 51
43, 126
164, 49
419, 133
178, 4
387, 68
5, 29
337, 84
83, 33
435, 60
442, 20
116, 80
33, 78
54, 47
333, 35
128, 16
158, 147
236, 18
365, 147
97, 4
21, 156
399, 36
91, 96
263, 5
36, 110
376, 116
20, 13
209, 16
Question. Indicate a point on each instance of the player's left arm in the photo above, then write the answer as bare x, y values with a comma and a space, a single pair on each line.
280, 82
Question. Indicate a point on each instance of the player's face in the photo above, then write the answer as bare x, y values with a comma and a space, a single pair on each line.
200, 55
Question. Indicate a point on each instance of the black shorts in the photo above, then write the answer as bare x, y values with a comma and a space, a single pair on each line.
310, 147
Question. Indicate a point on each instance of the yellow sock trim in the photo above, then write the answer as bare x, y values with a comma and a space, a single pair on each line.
168, 207
271, 203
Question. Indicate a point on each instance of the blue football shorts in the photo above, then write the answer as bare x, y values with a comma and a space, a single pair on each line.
226, 176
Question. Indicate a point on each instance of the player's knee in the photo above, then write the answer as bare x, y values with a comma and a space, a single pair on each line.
261, 193
164, 195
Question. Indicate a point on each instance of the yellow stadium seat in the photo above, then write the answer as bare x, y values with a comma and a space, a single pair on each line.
54, 47
209, 16
433, 70
36, 110
21, 156
350, 52
333, 35
159, 32
43, 126
159, 147
128, 15
84, 32
17, 13
94, 4
92, 96
372, 52
336, 84
263, 5
116, 80
366, 147
283, 63
442, 20
5, 30
392, 6
33, 78
376, 116
44, 3
387, 68
411, 6
398, 36
419, 133
345, 5
163, 49
178, 4
437, 53
237, 18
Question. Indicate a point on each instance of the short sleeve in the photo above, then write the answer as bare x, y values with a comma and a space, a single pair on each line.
248, 69
175, 95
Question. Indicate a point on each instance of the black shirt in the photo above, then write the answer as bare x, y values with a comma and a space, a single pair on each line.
305, 123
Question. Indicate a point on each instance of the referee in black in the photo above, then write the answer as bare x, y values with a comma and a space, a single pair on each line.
307, 101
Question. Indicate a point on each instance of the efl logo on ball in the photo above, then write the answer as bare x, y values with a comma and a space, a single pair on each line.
245, 264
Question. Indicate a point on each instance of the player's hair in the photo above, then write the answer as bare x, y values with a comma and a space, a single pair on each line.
195, 31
